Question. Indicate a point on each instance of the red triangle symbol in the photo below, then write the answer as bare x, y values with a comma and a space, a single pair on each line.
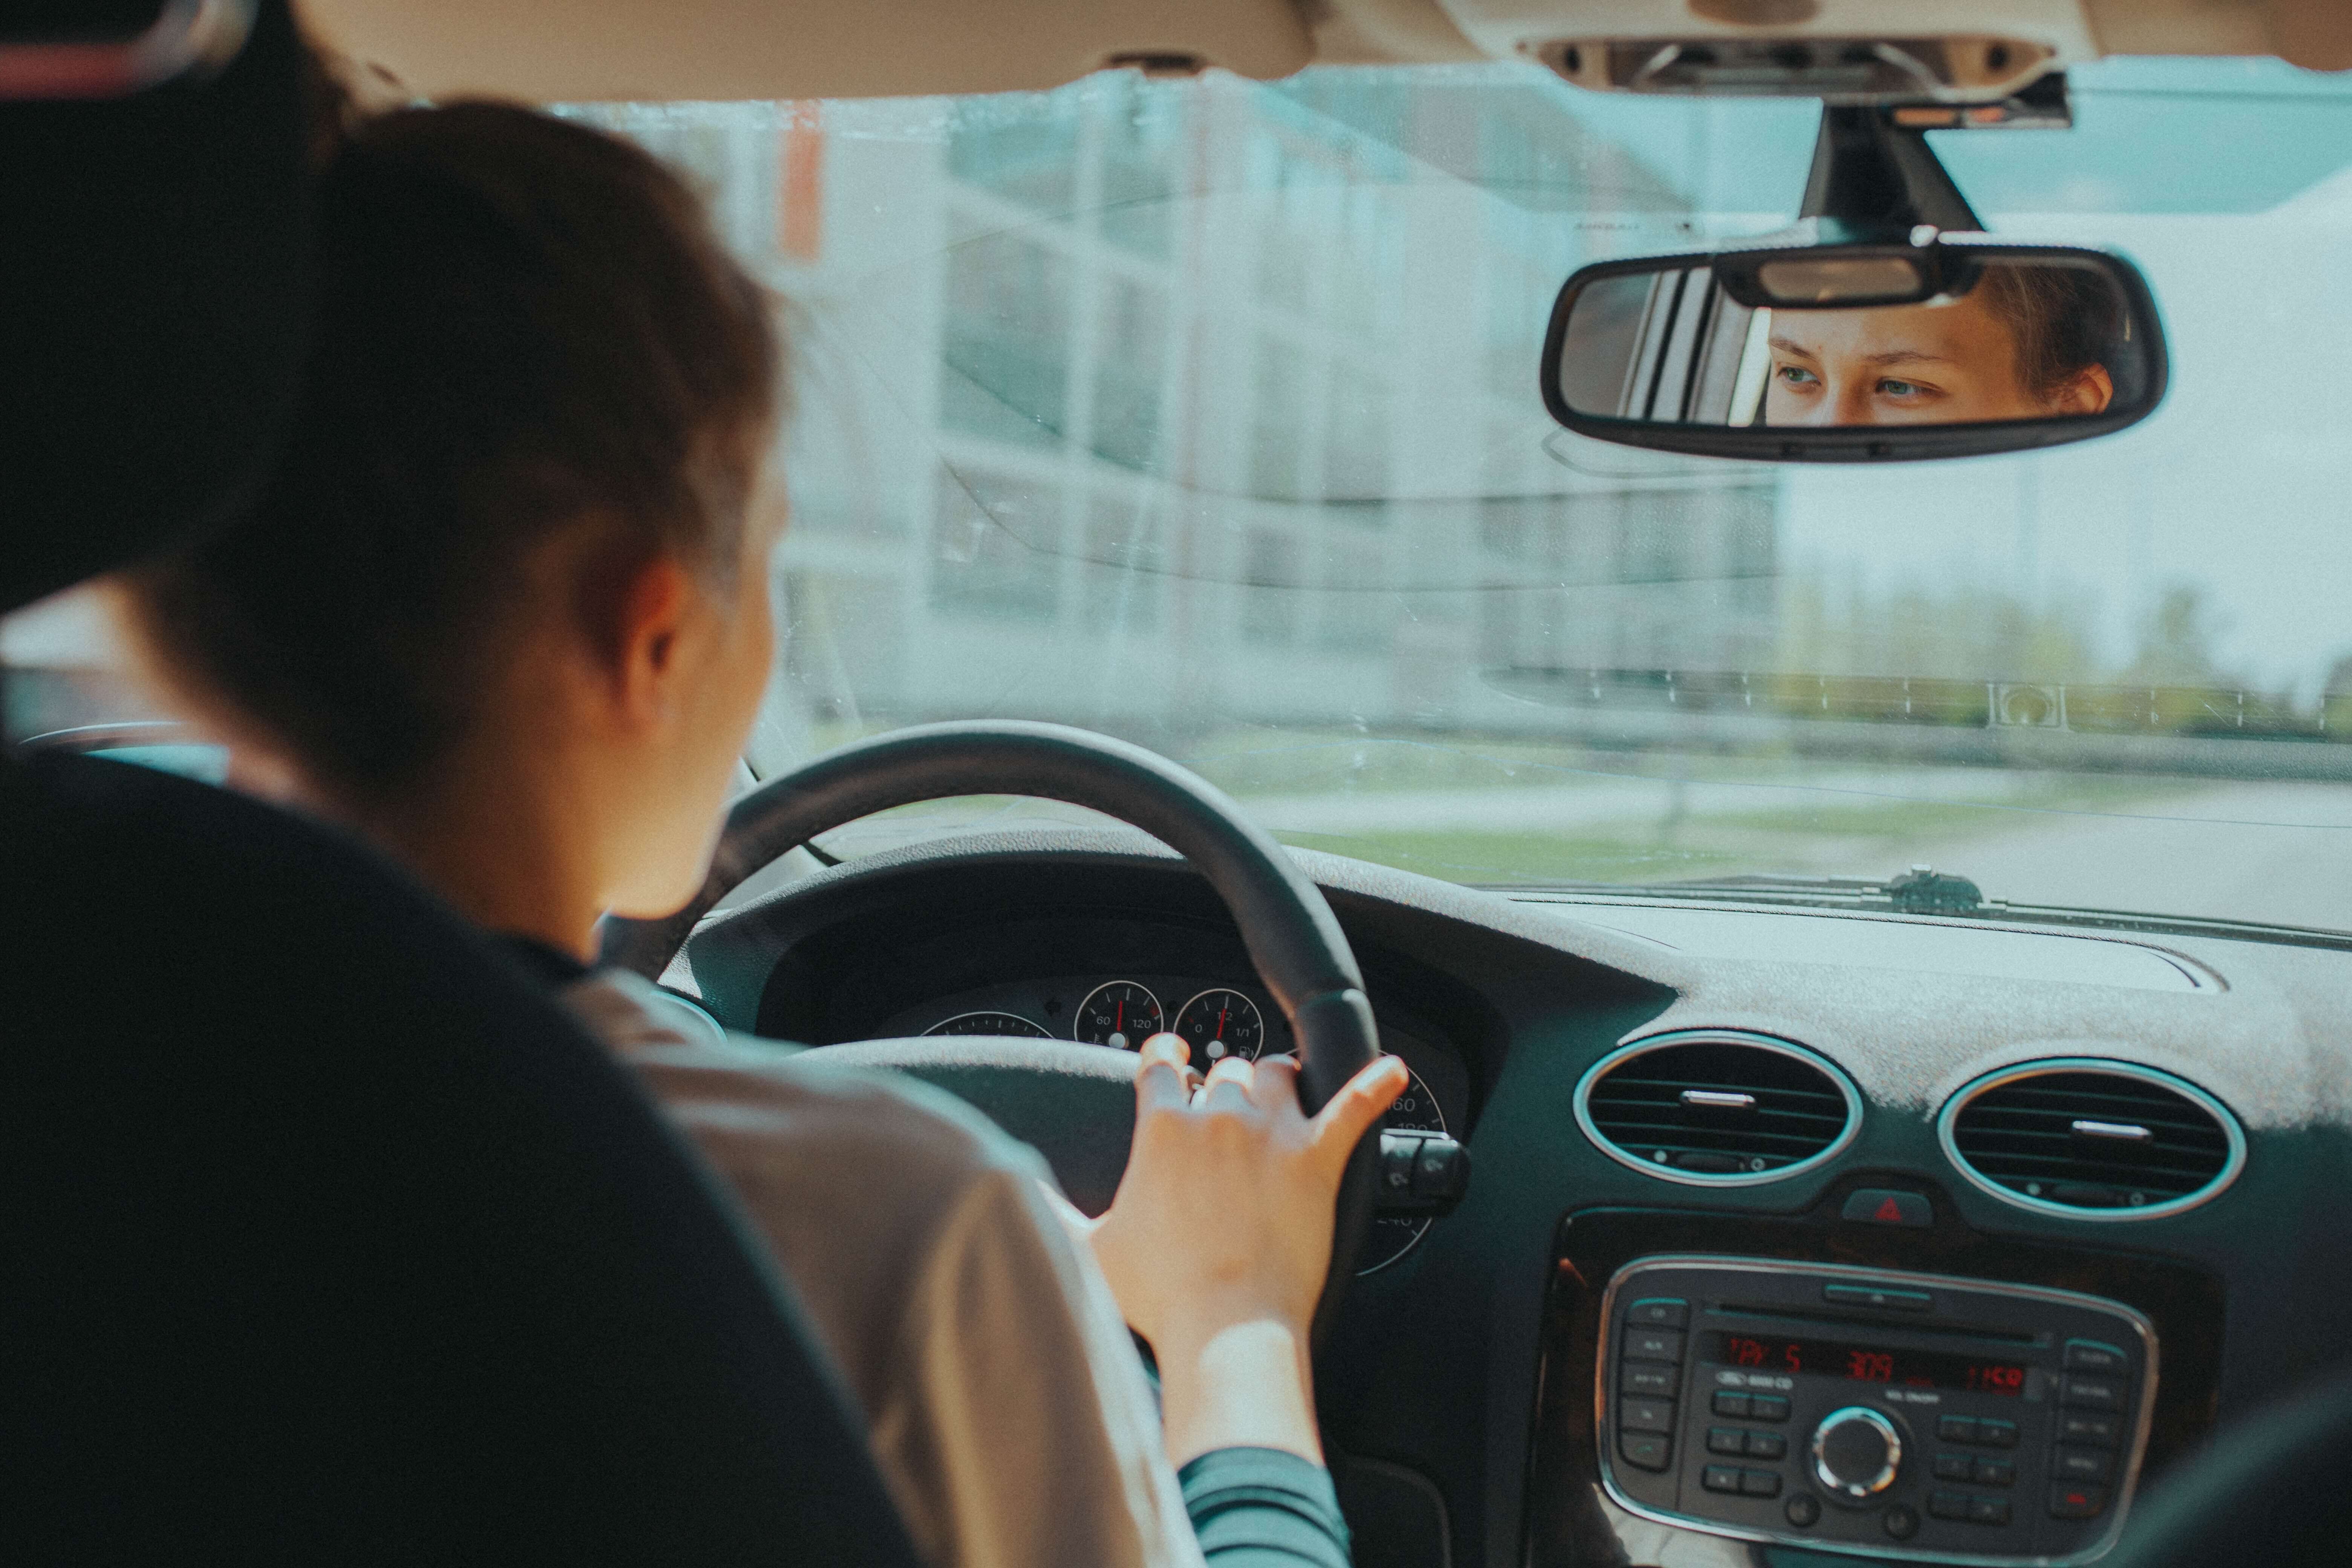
1889, 1212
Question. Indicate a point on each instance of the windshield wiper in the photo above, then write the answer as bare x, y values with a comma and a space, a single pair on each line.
1922, 890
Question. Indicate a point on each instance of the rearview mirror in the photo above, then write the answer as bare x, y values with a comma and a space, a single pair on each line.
1855, 353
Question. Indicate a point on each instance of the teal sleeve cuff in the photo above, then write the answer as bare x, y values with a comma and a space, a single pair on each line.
1264, 1507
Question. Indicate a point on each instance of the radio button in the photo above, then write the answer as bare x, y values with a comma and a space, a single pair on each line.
2068, 1500
1856, 1451
1720, 1478
1645, 1415
1802, 1509
1767, 1446
1649, 1378
2081, 1464
1645, 1450
2079, 1427
1726, 1440
1769, 1406
1953, 1468
1948, 1505
1728, 1402
1995, 1433
1957, 1428
1657, 1312
1987, 1510
1759, 1483
2090, 1355
1899, 1523
1993, 1473
2092, 1393
1653, 1344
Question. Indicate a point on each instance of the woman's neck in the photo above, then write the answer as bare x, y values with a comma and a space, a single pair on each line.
502, 845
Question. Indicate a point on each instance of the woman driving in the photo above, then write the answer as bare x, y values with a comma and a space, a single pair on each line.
503, 611
2026, 341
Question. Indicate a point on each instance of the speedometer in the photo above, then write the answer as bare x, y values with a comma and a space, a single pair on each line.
1120, 1012
1011, 1024
1391, 1236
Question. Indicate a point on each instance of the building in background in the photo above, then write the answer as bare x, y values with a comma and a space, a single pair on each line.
1169, 407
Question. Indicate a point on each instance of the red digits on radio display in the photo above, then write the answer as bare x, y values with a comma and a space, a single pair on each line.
1746, 1351
1991, 1377
1870, 1366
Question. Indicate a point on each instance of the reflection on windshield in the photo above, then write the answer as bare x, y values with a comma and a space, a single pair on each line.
2024, 343
1206, 413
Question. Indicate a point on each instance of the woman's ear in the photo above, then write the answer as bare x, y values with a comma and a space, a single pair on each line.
2088, 391
655, 620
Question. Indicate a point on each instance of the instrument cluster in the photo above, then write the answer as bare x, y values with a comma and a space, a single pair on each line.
1218, 1017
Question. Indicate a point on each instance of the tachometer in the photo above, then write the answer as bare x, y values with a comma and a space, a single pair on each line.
1119, 1013
1391, 1236
1218, 1024
1011, 1024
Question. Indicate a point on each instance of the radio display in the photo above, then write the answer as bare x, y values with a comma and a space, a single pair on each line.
1868, 1364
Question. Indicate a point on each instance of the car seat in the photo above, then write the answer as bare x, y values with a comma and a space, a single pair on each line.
322, 1232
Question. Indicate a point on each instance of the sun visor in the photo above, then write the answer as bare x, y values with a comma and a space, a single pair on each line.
154, 278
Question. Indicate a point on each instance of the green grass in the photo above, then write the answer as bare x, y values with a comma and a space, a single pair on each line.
1474, 857
1866, 837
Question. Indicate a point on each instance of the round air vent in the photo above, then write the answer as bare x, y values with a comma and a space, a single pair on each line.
2092, 1140
1717, 1107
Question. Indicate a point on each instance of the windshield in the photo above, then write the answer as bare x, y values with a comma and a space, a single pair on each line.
1204, 413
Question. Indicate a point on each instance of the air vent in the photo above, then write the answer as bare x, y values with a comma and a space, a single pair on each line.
2092, 1140
1717, 1107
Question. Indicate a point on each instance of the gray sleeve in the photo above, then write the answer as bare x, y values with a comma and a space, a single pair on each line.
1003, 1397
1264, 1508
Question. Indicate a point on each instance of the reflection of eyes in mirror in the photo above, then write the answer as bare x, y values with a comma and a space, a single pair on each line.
2024, 343
2029, 340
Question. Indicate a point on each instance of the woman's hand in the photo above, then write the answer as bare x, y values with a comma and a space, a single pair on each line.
1219, 1239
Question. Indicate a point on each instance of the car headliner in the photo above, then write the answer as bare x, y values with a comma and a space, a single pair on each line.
659, 50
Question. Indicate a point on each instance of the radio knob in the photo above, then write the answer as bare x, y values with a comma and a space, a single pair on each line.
1856, 1451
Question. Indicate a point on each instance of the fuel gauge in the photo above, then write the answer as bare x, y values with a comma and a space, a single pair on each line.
1218, 1024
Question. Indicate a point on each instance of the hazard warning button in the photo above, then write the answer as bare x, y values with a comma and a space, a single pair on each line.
1883, 1205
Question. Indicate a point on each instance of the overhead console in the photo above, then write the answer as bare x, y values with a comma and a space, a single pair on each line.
1907, 1415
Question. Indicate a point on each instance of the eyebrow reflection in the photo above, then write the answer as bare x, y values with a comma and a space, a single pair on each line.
1890, 357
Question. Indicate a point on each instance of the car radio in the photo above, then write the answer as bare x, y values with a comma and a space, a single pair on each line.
1860, 1410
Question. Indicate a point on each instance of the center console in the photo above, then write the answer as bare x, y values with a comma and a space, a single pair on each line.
1871, 1411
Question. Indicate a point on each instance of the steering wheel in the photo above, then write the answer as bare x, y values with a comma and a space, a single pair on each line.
1075, 1103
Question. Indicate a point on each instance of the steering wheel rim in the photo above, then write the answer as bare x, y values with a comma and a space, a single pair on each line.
1293, 939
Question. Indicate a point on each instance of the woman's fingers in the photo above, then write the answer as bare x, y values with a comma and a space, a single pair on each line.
1162, 1075
1273, 1083
1229, 1085
1359, 1103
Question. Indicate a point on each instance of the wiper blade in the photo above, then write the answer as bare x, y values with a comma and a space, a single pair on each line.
1923, 890
1919, 890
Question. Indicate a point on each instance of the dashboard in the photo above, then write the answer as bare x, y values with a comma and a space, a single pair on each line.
1227, 1013
1856, 1237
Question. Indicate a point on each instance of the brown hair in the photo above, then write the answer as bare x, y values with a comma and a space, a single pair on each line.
2065, 318
524, 326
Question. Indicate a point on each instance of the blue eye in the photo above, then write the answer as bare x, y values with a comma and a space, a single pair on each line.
1901, 389
1797, 376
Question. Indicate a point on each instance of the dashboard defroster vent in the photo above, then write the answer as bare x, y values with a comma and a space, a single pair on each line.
2091, 1139
1717, 1107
